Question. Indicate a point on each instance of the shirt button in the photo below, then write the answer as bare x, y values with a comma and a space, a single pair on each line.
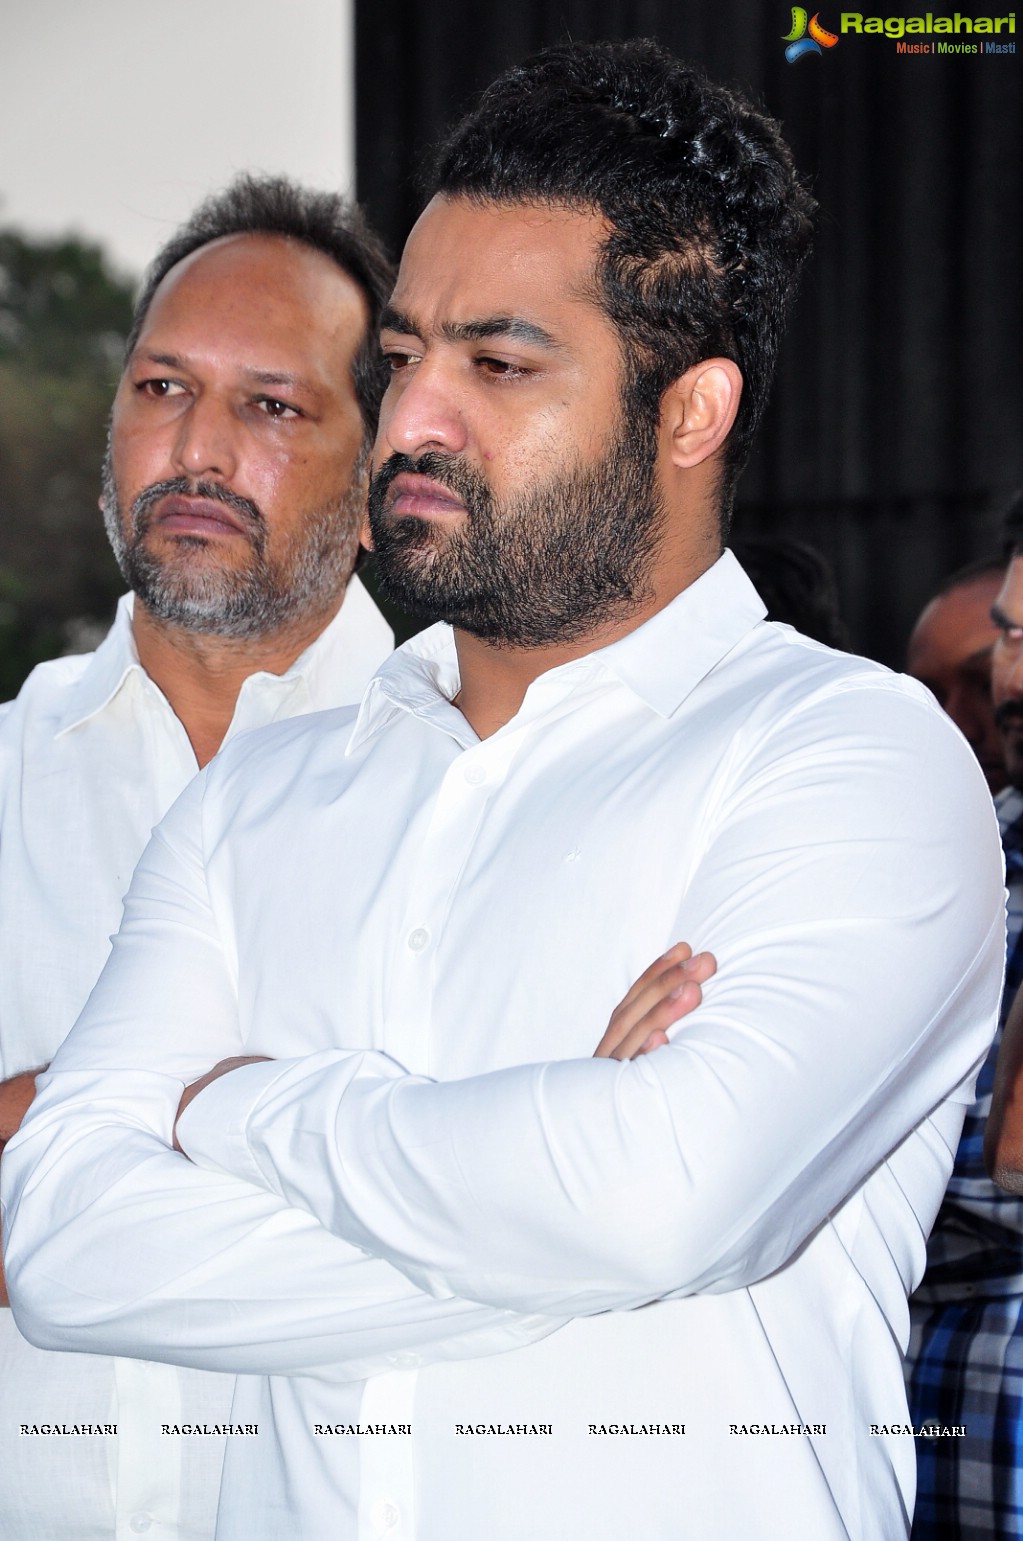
384, 1517
418, 939
475, 775
140, 1523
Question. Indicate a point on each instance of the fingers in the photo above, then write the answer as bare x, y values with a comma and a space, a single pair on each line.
667, 991
701, 968
680, 953
650, 1031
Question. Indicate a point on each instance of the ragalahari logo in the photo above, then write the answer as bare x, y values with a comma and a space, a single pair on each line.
807, 35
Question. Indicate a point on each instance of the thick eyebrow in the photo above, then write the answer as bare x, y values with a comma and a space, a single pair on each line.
1002, 621
514, 328
392, 320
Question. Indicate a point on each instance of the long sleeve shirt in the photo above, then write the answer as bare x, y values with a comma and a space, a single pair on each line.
91, 757
477, 1282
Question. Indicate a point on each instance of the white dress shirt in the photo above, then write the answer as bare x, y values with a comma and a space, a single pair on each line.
477, 1281
91, 757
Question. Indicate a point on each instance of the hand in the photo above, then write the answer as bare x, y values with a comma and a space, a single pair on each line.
666, 992
224, 1068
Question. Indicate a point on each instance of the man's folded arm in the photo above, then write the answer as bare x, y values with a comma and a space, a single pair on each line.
852, 892
114, 1243
851, 887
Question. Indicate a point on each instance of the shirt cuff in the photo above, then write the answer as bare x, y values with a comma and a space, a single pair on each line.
213, 1129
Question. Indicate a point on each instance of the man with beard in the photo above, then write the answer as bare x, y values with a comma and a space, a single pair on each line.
964, 1363
233, 490
421, 1217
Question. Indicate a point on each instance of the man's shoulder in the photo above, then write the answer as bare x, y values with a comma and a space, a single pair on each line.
791, 673
794, 702
42, 699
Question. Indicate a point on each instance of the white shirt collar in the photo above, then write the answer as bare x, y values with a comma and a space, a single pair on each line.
352, 644
660, 662
108, 668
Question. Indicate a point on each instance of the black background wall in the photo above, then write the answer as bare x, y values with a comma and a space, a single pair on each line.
895, 435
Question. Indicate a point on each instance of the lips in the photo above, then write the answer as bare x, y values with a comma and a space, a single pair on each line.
202, 517
421, 497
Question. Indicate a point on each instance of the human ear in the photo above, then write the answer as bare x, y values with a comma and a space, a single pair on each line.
700, 409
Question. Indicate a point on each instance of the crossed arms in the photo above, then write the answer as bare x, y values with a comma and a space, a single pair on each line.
338, 1211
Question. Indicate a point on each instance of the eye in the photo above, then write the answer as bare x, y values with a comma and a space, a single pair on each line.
273, 407
159, 389
397, 359
501, 368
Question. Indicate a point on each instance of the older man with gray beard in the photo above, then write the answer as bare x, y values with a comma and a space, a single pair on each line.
232, 492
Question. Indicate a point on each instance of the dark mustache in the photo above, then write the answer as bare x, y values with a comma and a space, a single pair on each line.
1009, 714
447, 470
180, 486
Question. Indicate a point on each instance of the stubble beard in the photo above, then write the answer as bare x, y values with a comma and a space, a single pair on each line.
566, 557
190, 589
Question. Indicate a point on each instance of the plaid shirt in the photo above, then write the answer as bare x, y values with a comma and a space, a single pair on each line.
965, 1359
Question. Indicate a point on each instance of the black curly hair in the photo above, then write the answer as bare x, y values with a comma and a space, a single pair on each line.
327, 222
710, 223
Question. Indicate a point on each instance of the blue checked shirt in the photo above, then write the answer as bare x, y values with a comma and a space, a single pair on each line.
976, 1247
965, 1362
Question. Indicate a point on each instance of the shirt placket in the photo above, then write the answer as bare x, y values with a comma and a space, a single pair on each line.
172, 762
148, 1483
465, 793
386, 1464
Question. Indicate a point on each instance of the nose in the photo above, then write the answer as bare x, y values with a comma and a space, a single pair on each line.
206, 441
424, 410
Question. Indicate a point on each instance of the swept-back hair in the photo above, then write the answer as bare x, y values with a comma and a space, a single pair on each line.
326, 222
709, 222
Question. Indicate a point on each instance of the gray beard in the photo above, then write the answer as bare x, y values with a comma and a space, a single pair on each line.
263, 597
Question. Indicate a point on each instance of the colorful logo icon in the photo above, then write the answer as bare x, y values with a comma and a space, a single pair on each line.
799, 43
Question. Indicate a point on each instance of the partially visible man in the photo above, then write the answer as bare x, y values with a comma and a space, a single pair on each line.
1003, 1129
233, 490
797, 584
965, 1360
426, 1226
949, 651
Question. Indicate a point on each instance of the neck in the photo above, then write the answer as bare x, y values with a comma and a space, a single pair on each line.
494, 679
201, 675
